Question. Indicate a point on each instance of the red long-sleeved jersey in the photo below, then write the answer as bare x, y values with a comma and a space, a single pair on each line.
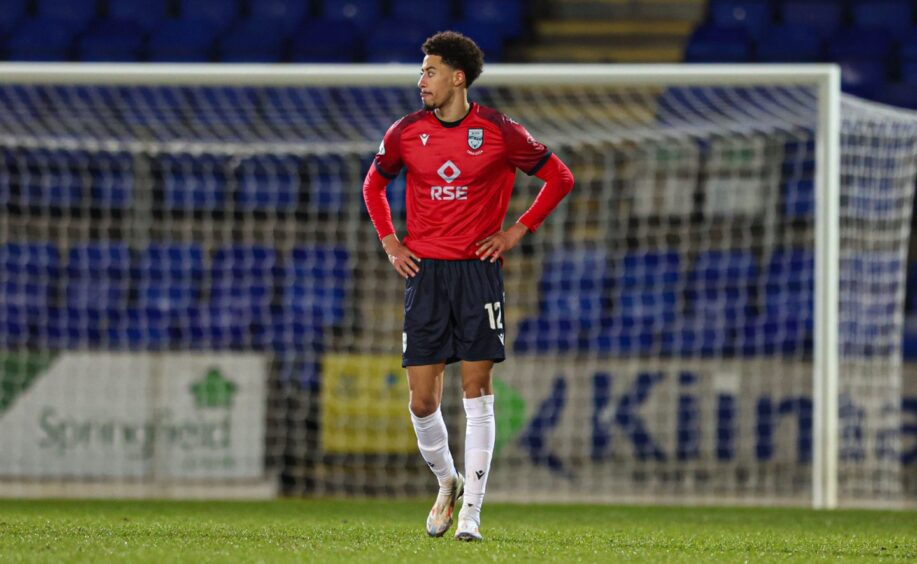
460, 178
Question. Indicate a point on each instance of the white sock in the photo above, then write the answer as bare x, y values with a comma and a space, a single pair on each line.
480, 433
433, 441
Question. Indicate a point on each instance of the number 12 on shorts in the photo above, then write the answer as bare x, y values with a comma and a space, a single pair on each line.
495, 315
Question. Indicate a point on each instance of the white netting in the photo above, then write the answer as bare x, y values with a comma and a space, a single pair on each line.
168, 248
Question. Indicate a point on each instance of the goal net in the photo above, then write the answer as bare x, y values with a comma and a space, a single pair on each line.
194, 301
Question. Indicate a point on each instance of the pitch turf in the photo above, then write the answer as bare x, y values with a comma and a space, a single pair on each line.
378, 531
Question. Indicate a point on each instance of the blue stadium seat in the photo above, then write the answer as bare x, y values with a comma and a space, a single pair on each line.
892, 16
269, 182
908, 52
324, 41
864, 55
138, 329
169, 276
720, 287
573, 285
213, 328
112, 180
903, 95
252, 41
242, 279
12, 13
646, 291
148, 14
753, 15
288, 334
508, 15
798, 198
394, 41
362, 13
220, 13
693, 337
41, 39
869, 285
488, 35
213, 123
824, 15
436, 15
619, 335
787, 43
111, 41
770, 334
288, 14
789, 285
193, 182
328, 184
29, 272
314, 283
543, 335
98, 276
77, 12
49, 178
183, 41
909, 339
712, 43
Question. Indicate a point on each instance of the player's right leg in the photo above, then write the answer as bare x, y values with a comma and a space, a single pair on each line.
427, 344
426, 385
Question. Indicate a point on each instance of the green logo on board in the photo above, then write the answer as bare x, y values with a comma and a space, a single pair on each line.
213, 390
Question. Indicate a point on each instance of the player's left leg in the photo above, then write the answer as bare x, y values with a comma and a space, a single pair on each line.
480, 433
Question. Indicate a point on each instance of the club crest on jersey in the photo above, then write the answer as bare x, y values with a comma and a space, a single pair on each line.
475, 138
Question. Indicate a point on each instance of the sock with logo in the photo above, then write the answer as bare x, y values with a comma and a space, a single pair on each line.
480, 433
433, 441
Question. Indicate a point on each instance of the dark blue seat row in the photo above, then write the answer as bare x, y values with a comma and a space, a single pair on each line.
246, 296
262, 31
649, 303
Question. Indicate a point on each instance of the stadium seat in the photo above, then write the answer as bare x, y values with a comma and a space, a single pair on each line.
394, 41
148, 14
362, 13
908, 52
112, 180
288, 14
138, 329
220, 13
903, 95
111, 41
787, 43
892, 16
169, 276
488, 35
76, 12
41, 39
573, 284
269, 182
752, 15
620, 336
712, 43
314, 283
212, 328
242, 280
543, 335
798, 198
646, 290
48, 178
719, 287
193, 182
325, 41
327, 181
13, 12
183, 41
252, 41
508, 15
436, 15
692, 337
869, 285
863, 54
98, 276
789, 285
290, 335
29, 273
826, 16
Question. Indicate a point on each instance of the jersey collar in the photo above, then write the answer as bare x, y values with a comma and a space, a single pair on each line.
457, 122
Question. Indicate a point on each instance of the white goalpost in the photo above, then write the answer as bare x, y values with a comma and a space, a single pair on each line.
193, 299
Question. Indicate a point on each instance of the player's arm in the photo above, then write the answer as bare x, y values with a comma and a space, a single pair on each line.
380, 213
524, 152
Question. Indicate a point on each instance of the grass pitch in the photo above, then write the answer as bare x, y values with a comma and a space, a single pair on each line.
380, 531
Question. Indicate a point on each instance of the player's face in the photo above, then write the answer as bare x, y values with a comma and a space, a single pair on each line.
437, 82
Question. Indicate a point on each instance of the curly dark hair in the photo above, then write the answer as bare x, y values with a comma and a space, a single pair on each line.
457, 51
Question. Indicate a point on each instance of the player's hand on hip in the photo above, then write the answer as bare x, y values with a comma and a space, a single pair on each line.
493, 247
403, 260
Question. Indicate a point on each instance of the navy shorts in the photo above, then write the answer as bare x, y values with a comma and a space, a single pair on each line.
453, 310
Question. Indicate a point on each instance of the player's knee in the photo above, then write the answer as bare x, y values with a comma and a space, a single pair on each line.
423, 407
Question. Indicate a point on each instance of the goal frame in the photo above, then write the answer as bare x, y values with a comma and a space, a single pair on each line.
825, 77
